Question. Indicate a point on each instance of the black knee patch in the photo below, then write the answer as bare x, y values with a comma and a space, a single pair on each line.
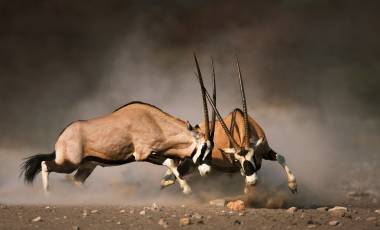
248, 167
184, 167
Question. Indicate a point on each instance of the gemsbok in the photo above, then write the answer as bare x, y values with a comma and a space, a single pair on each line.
241, 147
134, 132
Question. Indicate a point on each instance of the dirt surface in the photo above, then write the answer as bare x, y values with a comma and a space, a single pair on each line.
168, 217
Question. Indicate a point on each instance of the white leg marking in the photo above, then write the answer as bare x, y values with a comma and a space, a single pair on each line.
45, 176
252, 179
292, 183
183, 184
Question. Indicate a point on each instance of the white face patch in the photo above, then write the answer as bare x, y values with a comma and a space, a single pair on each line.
199, 151
204, 169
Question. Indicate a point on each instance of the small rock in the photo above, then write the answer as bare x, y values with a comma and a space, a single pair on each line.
358, 218
371, 218
241, 213
334, 223
322, 209
155, 207
184, 221
237, 205
163, 223
197, 216
218, 202
142, 212
47, 207
118, 223
37, 219
76, 227
377, 211
132, 211
122, 211
338, 211
65, 217
94, 211
238, 222
311, 226
292, 210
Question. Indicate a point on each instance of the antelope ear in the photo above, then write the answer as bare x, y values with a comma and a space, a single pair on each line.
189, 126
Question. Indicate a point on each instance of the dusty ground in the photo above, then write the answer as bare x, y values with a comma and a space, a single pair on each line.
201, 217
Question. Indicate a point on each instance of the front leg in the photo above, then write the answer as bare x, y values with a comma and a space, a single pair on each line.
292, 183
168, 179
170, 164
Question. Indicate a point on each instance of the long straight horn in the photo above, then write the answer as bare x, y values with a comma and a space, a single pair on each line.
235, 145
205, 110
213, 115
244, 102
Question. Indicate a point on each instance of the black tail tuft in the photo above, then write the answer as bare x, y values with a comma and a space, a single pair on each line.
31, 166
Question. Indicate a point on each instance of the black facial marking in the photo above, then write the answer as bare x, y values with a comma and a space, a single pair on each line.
248, 167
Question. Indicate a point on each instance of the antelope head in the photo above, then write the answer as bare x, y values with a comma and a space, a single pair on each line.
203, 155
243, 153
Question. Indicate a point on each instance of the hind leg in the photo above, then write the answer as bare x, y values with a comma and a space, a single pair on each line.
84, 171
52, 166
168, 179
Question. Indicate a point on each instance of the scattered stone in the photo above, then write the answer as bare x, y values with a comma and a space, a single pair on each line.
65, 217
338, 211
238, 222
292, 210
184, 221
76, 227
377, 211
132, 211
322, 209
183, 206
237, 205
94, 211
118, 223
311, 226
163, 223
37, 219
84, 213
371, 218
142, 212
241, 213
174, 215
122, 211
196, 216
334, 223
155, 207
47, 207
218, 202
358, 218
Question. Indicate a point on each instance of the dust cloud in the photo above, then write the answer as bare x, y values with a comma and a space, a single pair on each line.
311, 71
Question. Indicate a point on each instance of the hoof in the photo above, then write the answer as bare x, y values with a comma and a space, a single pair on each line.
187, 190
166, 183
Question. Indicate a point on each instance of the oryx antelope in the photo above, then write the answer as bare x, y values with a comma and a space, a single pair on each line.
134, 132
242, 146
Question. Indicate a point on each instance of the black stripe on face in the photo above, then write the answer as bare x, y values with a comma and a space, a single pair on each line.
248, 168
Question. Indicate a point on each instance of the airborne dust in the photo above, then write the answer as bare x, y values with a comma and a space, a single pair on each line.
311, 70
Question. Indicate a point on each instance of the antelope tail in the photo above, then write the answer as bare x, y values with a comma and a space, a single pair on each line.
31, 166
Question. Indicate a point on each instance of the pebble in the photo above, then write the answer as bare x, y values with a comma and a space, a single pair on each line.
76, 227
292, 210
218, 202
334, 223
142, 212
311, 226
37, 219
322, 209
184, 221
122, 211
163, 223
118, 223
132, 211
377, 211
94, 211
237, 205
371, 218
238, 222
338, 211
